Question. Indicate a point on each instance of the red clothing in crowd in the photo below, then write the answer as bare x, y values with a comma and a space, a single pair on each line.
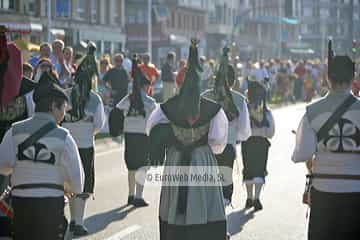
152, 73
180, 77
356, 88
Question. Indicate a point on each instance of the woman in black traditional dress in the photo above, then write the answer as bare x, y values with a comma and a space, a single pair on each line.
255, 150
192, 129
134, 110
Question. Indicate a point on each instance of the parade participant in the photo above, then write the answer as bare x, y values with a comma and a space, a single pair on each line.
193, 129
134, 110
44, 162
84, 119
327, 140
236, 110
255, 149
235, 107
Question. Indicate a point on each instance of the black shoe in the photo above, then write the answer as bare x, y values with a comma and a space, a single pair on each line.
139, 202
249, 203
130, 200
78, 230
257, 205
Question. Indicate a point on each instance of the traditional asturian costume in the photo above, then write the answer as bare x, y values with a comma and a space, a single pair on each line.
84, 119
43, 161
235, 107
192, 130
335, 156
255, 149
133, 111
16, 104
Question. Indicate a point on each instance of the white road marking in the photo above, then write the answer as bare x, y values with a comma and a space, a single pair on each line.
108, 152
124, 233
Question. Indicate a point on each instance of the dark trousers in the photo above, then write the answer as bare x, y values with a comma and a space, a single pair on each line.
39, 218
334, 216
87, 160
226, 159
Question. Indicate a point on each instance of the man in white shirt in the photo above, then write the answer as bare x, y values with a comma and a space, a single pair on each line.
332, 157
44, 162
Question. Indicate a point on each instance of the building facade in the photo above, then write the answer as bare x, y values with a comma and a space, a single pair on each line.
174, 23
266, 28
321, 19
101, 21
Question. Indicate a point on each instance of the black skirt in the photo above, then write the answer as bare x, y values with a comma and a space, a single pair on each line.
209, 231
334, 216
39, 218
226, 159
87, 159
136, 150
255, 155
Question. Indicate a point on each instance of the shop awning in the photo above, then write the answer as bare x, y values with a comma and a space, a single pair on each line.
275, 20
25, 45
57, 31
302, 51
24, 28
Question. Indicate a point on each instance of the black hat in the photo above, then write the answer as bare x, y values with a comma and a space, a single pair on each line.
222, 89
189, 96
140, 79
48, 87
339, 65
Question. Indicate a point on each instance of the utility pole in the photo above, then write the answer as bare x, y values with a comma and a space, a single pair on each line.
351, 23
280, 29
149, 28
49, 20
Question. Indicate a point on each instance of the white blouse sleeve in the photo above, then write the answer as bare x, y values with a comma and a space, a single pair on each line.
243, 125
30, 105
156, 117
8, 153
270, 131
73, 169
218, 132
306, 142
124, 103
100, 118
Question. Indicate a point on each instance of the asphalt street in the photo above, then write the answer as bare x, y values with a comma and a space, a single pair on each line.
283, 218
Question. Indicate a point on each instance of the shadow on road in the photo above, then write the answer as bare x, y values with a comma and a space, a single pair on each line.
99, 222
238, 219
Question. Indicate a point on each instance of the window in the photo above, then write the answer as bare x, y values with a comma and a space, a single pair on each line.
81, 9
131, 16
94, 11
62, 8
7, 4
141, 16
173, 17
308, 12
107, 47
